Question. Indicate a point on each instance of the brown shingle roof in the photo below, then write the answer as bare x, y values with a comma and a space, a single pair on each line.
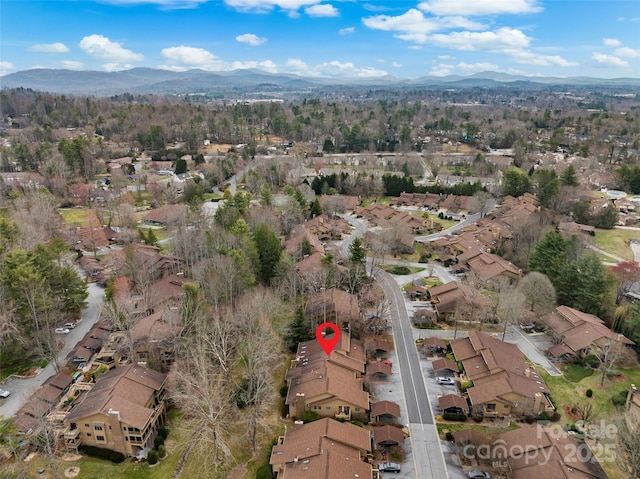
389, 408
378, 367
442, 364
387, 435
61, 381
126, 390
453, 400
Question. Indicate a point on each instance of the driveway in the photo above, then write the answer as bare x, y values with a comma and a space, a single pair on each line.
22, 389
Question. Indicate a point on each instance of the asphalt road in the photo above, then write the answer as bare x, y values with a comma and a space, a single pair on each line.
427, 454
22, 389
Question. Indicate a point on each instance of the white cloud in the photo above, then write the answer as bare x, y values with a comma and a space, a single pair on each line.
261, 6
72, 65
605, 60
6, 67
347, 31
56, 47
396, 65
165, 4
322, 10
445, 57
476, 67
479, 7
504, 38
183, 58
101, 48
251, 39
629, 19
414, 26
268, 66
116, 67
627, 52
441, 70
415, 47
331, 69
531, 58
611, 42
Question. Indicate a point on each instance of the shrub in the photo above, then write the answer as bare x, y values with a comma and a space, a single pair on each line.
589, 393
163, 432
162, 452
529, 419
101, 453
465, 385
152, 457
309, 416
449, 436
454, 417
283, 391
620, 399
543, 416
555, 417
264, 472
158, 441
592, 361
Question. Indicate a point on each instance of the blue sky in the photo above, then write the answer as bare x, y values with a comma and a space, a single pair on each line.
326, 38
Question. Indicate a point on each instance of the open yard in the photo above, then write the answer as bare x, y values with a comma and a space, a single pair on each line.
616, 241
570, 391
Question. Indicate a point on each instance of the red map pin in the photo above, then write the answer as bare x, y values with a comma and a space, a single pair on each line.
328, 342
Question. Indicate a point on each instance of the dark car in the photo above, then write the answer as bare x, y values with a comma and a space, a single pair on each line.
478, 475
389, 467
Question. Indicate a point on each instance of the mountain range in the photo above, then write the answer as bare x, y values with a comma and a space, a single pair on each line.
239, 82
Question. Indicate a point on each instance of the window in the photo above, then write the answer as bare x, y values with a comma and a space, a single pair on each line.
88, 434
506, 406
99, 438
86, 425
491, 407
328, 408
357, 409
98, 428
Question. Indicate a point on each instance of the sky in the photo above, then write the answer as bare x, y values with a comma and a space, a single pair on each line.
326, 38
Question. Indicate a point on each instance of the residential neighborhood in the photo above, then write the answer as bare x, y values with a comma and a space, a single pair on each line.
165, 291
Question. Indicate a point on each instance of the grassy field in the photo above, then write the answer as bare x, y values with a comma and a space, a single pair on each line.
570, 390
616, 241
74, 215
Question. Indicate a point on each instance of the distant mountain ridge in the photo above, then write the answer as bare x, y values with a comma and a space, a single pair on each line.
157, 81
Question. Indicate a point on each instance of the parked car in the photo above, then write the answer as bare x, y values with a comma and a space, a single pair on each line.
62, 330
478, 475
389, 467
4, 393
69, 325
446, 381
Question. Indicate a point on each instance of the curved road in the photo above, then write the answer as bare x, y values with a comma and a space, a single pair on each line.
22, 389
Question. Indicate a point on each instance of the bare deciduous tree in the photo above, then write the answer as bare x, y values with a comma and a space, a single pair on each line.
538, 291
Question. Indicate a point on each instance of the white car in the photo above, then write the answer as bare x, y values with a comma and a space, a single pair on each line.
446, 381
4, 393
62, 330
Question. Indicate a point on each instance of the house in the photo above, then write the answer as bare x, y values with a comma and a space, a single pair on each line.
153, 339
503, 381
145, 258
122, 412
166, 215
385, 411
323, 449
328, 390
303, 243
488, 267
444, 367
581, 333
571, 228
335, 306
522, 451
379, 369
453, 404
424, 316
416, 292
454, 297
387, 435
434, 345
166, 292
632, 409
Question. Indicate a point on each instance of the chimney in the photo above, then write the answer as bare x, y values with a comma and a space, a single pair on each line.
527, 372
537, 400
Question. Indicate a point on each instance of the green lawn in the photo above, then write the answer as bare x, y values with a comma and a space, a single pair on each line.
73, 215
400, 269
615, 241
